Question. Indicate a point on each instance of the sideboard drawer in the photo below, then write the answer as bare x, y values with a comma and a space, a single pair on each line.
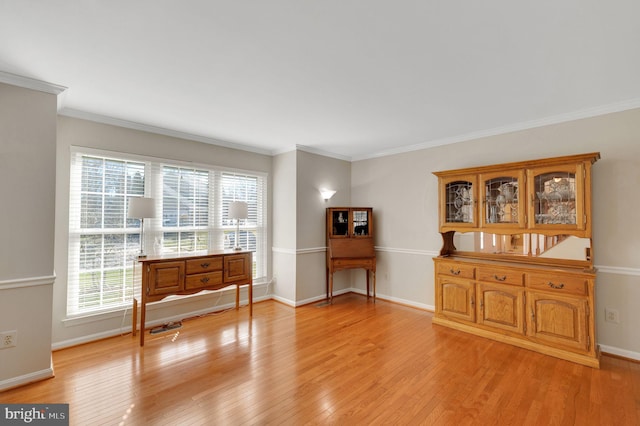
558, 283
348, 263
502, 276
208, 264
203, 280
453, 269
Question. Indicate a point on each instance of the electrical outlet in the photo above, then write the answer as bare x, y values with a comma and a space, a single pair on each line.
612, 315
8, 339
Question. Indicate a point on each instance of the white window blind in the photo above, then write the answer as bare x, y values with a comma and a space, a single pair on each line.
185, 209
192, 204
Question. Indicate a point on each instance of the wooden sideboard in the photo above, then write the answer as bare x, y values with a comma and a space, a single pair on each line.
168, 275
547, 310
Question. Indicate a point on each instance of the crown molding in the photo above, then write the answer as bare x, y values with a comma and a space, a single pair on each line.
317, 151
312, 150
98, 118
31, 83
525, 125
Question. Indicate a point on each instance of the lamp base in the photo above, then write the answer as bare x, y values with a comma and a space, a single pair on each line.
237, 248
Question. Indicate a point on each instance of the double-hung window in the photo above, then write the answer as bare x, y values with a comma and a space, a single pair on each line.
192, 204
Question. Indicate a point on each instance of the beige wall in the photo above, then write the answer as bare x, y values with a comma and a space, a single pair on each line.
27, 194
403, 192
76, 132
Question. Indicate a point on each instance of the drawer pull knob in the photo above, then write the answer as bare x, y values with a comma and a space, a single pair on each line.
454, 272
502, 278
558, 286
204, 280
205, 264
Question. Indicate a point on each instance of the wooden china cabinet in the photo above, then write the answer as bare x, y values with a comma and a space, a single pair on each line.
350, 243
517, 261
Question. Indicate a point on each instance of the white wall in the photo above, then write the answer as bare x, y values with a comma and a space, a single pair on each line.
27, 194
284, 227
403, 192
299, 223
76, 132
313, 173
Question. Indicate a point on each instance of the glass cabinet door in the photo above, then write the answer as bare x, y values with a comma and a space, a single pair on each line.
361, 222
501, 199
339, 221
459, 201
558, 197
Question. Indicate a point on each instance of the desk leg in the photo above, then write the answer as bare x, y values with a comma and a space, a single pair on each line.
237, 296
330, 287
251, 298
326, 279
367, 283
143, 314
134, 318
374, 286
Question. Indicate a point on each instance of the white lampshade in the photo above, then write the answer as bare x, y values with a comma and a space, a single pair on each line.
141, 208
238, 210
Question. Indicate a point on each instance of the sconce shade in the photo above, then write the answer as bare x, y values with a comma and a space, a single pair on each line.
327, 193
141, 208
238, 210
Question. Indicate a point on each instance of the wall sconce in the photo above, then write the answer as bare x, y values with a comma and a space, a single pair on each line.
327, 194
141, 208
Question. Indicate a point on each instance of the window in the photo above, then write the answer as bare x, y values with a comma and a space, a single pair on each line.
193, 205
185, 209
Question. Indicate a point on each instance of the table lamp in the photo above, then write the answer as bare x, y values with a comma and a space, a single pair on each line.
141, 208
238, 210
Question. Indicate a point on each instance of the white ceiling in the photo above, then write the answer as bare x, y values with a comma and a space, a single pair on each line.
354, 78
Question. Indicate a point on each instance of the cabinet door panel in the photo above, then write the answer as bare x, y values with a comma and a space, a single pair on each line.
502, 195
501, 306
361, 222
456, 298
558, 321
458, 202
237, 268
166, 278
557, 195
338, 223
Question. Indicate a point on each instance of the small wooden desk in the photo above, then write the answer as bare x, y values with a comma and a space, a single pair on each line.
167, 275
341, 263
350, 243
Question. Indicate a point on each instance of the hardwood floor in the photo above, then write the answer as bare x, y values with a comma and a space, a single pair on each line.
353, 362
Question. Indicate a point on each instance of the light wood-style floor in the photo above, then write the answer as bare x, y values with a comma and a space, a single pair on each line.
351, 363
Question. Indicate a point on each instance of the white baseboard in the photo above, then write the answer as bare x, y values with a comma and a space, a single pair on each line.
620, 352
25, 379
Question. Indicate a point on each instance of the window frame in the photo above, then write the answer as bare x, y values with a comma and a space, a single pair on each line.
216, 227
